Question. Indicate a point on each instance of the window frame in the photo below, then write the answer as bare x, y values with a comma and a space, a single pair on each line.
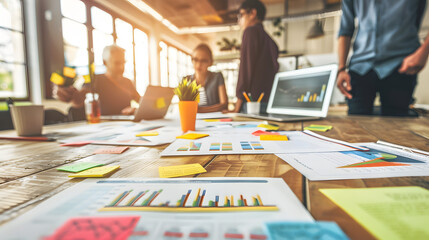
25, 51
168, 44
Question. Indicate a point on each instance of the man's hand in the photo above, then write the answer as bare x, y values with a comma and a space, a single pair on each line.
64, 94
414, 63
128, 111
343, 83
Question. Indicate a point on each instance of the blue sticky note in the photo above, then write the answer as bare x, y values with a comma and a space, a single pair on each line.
305, 230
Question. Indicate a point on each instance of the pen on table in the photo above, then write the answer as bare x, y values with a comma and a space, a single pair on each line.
260, 97
245, 95
408, 149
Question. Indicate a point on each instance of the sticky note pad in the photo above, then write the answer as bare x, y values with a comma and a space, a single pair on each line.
268, 127
76, 144
160, 103
260, 132
193, 136
96, 172
147, 133
115, 150
57, 79
180, 170
273, 138
79, 167
320, 128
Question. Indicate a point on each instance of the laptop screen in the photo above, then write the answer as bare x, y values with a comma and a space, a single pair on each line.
304, 92
301, 92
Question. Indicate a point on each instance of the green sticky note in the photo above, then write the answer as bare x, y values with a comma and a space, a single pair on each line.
79, 167
320, 128
388, 213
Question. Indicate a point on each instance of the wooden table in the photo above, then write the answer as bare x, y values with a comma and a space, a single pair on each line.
28, 172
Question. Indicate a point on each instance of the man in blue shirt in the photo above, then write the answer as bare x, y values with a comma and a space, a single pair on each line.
387, 54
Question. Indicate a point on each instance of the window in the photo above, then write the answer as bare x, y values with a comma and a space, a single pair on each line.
174, 65
13, 66
106, 28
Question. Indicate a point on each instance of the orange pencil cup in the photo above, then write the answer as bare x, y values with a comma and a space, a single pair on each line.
188, 114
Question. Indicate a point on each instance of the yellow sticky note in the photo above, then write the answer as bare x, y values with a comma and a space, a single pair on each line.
96, 172
147, 133
181, 170
386, 212
268, 127
160, 103
57, 78
193, 136
87, 78
273, 137
69, 72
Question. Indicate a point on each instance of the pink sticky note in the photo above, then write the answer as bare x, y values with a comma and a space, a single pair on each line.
225, 120
76, 144
261, 132
115, 150
91, 228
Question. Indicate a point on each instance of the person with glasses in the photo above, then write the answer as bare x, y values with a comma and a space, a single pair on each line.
258, 56
213, 97
114, 90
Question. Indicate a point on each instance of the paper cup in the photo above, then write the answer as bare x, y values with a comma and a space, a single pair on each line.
27, 120
253, 107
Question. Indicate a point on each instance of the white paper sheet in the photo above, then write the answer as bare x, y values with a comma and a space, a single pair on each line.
243, 142
332, 166
90, 196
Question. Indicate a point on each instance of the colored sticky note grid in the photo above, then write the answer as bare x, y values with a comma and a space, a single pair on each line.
214, 147
160, 103
195, 146
78, 167
256, 145
115, 150
268, 126
181, 170
273, 138
226, 146
96, 172
147, 133
192, 136
96, 228
245, 146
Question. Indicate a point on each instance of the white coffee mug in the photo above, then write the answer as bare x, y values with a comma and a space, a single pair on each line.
28, 120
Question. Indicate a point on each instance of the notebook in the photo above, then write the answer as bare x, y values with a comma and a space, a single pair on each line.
302, 94
153, 105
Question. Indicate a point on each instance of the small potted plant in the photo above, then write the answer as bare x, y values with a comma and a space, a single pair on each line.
188, 94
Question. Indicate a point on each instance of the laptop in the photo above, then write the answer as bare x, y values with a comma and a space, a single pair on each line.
153, 105
298, 95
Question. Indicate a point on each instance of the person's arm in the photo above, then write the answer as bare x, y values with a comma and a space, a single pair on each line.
343, 78
70, 95
347, 29
222, 105
415, 62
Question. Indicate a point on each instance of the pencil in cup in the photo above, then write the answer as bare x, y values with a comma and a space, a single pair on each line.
260, 97
245, 95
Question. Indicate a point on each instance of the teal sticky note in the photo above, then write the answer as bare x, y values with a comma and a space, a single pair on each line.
305, 230
79, 167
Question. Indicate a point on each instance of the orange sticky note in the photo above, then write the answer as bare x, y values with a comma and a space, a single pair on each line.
193, 136
180, 170
260, 132
96, 172
273, 138
268, 126
69, 72
115, 150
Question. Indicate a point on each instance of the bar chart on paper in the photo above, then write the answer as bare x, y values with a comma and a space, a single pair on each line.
199, 202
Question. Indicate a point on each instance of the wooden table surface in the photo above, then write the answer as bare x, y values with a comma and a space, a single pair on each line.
28, 172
